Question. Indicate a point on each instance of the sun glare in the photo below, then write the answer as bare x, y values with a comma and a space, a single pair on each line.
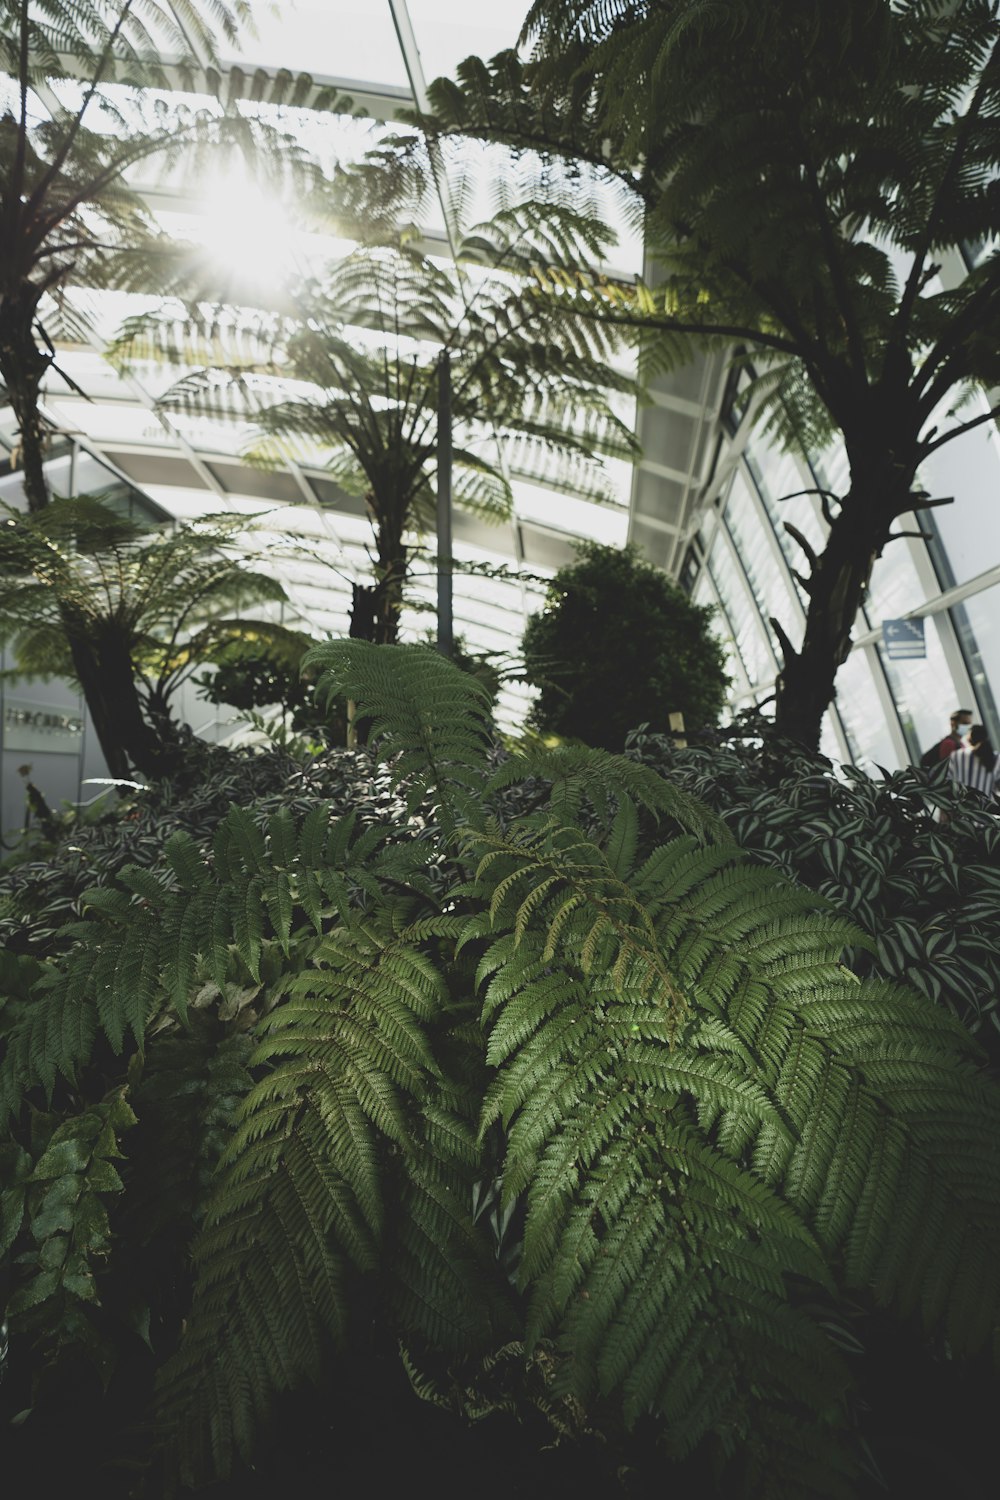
248, 234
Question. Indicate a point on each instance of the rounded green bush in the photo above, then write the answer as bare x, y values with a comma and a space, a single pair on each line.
617, 645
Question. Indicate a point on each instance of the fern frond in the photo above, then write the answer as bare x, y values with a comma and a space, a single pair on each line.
608, 925
432, 718
673, 1177
300, 1202
578, 773
873, 1084
143, 947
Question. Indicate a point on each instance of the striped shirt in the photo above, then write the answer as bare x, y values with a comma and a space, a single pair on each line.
966, 767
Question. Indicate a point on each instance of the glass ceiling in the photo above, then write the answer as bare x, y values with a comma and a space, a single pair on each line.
380, 53
358, 40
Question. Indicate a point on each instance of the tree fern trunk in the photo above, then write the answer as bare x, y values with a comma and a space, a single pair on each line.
22, 366
96, 686
377, 607
837, 587
107, 677
104, 670
392, 564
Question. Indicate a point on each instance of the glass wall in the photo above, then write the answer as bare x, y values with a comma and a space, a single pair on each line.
886, 711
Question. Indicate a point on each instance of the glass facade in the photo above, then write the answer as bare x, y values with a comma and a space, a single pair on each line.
886, 711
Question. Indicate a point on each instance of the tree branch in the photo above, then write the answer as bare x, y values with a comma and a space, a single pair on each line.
986, 416
58, 161
937, 376
666, 324
825, 496
796, 535
841, 289
22, 132
788, 651
922, 501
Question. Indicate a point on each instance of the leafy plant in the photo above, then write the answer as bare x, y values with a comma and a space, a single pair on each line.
559, 974
42, 884
147, 607
615, 637
259, 673
910, 856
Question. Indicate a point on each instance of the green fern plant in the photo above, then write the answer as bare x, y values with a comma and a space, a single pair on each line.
641, 1048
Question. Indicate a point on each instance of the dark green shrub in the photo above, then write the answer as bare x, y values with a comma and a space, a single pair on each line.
259, 674
616, 645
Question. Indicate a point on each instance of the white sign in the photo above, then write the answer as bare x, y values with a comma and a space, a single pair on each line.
41, 727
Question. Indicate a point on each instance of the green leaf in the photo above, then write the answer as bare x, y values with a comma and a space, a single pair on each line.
37, 1290
63, 1157
102, 1178
53, 1252
57, 1210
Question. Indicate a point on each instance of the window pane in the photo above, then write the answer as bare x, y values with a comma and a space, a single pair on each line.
329, 39
982, 642
924, 691
446, 33
862, 714
747, 528
969, 469
746, 622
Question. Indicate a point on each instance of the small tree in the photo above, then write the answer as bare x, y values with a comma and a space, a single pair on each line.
71, 139
145, 609
616, 645
351, 381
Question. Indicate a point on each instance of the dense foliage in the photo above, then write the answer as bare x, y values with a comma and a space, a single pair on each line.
261, 673
43, 882
615, 642
911, 857
535, 1073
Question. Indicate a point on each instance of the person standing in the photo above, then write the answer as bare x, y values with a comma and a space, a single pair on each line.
976, 764
961, 723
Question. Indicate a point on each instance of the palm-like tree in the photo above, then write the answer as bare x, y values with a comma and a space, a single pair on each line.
351, 381
71, 140
68, 141
804, 170
147, 608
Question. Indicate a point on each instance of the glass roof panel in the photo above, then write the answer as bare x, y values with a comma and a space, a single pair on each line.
349, 39
446, 33
599, 523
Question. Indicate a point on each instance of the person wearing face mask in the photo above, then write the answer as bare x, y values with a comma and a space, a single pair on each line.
976, 763
961, 723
